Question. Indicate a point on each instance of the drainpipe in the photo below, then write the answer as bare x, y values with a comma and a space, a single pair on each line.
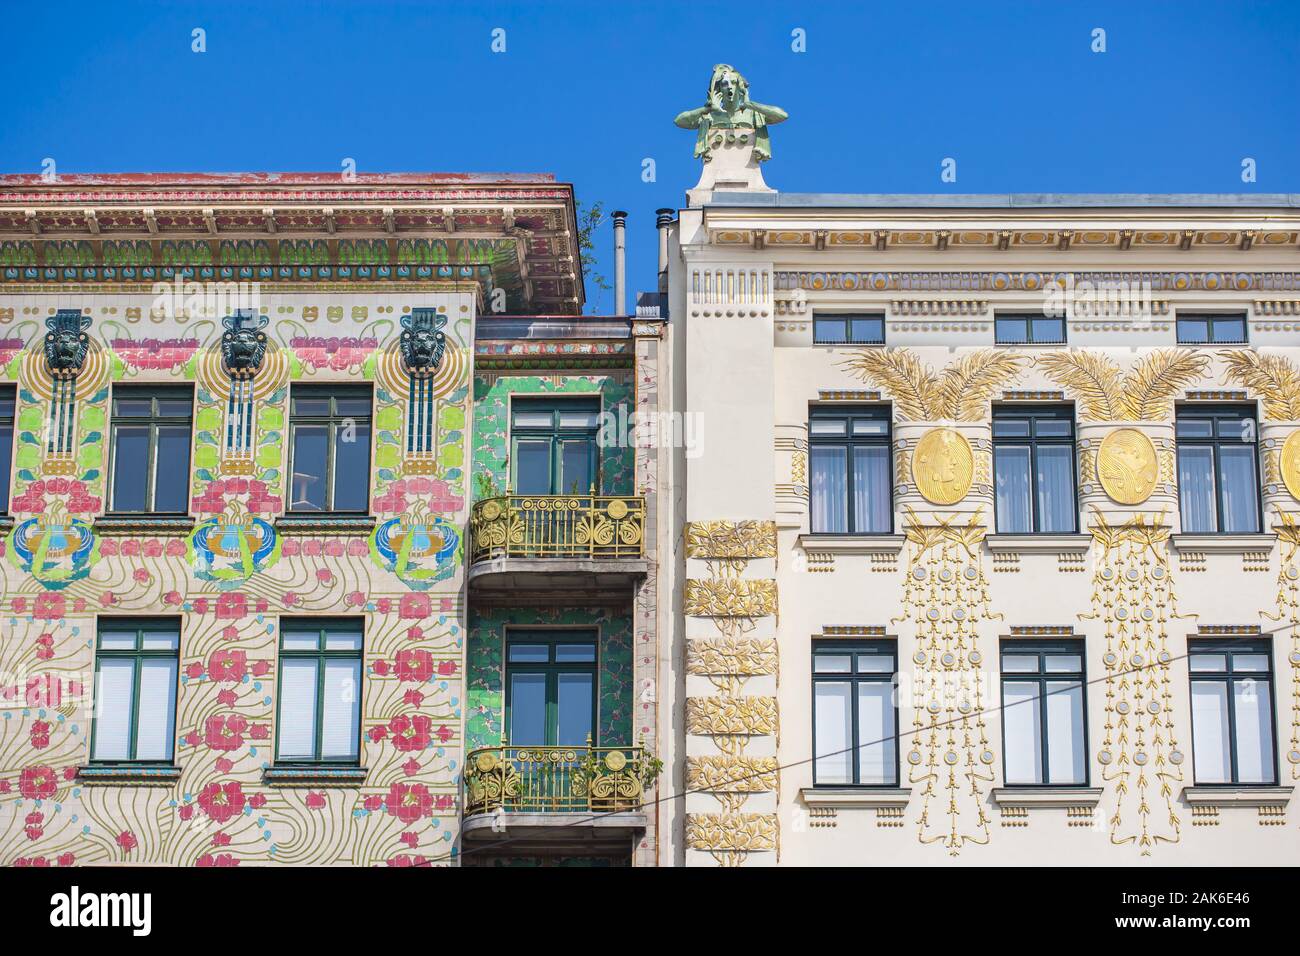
620, 263
663, 219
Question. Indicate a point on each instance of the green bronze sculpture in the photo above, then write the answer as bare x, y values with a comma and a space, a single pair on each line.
728, 107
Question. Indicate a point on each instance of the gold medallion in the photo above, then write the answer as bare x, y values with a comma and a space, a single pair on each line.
942, 466
1126, 466
1290, 462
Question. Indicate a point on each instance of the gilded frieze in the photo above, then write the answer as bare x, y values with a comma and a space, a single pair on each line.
1105, 394
749, 657
1275, 379
730, 597
729, 836
731, 539
1133, 597
1287, 612
961, 392
732, 774
746, 716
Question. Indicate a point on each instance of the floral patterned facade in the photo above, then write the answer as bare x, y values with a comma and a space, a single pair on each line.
107, 282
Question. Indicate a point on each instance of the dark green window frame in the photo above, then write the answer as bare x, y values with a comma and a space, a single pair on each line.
1028, 328
8, 413
319, 626
332, 421
854, 676
832, 328
1042, 677
1043, 426
553, 668
155, 420
1211, 328
1231, 676
138, 654
557, 435
851, 428
1216, 427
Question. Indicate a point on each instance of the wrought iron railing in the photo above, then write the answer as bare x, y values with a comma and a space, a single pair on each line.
555, 779
557, 526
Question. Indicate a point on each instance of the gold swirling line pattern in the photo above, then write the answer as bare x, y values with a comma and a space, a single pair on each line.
946, 597
1133, 596
731, 539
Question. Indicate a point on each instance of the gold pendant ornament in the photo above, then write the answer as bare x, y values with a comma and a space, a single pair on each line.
942, 466
1290, 459
1126, 466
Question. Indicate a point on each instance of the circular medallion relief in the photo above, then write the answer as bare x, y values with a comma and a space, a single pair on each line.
942, 466
1126, 466
1290, 461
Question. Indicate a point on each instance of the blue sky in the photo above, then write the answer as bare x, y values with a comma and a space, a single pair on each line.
884, 92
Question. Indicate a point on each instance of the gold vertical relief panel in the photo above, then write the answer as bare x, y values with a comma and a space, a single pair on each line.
1133, 598
731, 717
950, 760
1287, 613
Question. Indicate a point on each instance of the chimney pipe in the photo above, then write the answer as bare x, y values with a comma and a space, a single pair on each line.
663, 219
620, 262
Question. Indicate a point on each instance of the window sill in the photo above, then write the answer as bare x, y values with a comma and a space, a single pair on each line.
178, 526
855, 798
1039, 543
1224, 543
325, 524
1237, 796
852, 543
6, 523
1047, 796
314, 776
144, 775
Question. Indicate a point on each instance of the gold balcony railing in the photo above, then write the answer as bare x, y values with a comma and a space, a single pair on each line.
556, 779
557, 526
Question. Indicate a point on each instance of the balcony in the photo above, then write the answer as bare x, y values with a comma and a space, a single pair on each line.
557, 799
559, 546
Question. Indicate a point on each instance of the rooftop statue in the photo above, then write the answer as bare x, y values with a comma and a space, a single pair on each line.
727, 107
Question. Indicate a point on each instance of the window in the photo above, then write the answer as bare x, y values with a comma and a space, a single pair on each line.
1028, 330
855, 717
1033, 469
135, 692
550, 687
319, 716
151, 450
7, 399
329, 430
553, 446
848, 329
1212, 329
849, 451
1044, 735
1218, 483
1232, 712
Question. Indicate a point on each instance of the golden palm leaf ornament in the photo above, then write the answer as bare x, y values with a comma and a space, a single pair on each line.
1272, 377
1094, 379
1150, 386
914, 387
969, 383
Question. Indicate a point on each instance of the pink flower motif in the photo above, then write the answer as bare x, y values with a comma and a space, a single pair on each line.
186, 812
378, 733
127, 841
446, 668
358, 548
67, 859
228, 665
413, 697
411, 839
194, 671
225, 732
373, 802
193, 738
40, 734
37, 783
315, 800
225, 765
443, 733
381, 668
108, 549
410, 732
414, 632
49, 607
220, 839
409, 802
222, 801
290, 548
227, 698
260, 732
153, 548
19, 605
413, 606
355, 599
311, 548
130, 549
411, 767
383, 605
334, 548
200, 605
175, 548
230, 632
261, 668
221, 859
232, 604
140, 576
107, 599
324, 575
173, 598
401, 859
414, 665
290, 599
257, 801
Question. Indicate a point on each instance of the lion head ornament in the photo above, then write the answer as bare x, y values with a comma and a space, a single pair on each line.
423, 341
66, 342
243, 344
